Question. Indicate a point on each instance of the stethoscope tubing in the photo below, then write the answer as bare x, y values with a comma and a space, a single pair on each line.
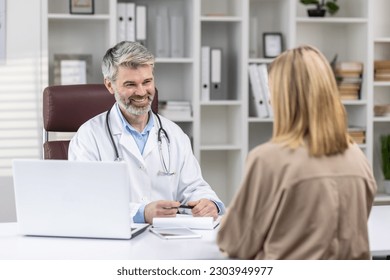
161, 131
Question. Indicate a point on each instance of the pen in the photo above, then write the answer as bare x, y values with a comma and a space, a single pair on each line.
185, 207
181, 206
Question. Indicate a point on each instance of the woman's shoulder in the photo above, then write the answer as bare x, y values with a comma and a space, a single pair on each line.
268, 148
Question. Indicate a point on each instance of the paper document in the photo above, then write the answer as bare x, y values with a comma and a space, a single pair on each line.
175, 233
183, 220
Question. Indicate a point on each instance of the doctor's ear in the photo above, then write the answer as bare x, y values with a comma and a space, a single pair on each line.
109, 86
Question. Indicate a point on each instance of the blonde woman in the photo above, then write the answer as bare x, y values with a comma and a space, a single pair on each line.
308, 192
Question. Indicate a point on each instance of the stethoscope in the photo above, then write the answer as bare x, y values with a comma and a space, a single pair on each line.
161, 133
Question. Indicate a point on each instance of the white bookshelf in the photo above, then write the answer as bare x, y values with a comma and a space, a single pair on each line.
222, 132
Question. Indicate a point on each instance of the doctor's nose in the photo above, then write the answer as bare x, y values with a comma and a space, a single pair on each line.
141, 90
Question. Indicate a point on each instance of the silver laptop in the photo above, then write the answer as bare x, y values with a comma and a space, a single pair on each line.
73, 199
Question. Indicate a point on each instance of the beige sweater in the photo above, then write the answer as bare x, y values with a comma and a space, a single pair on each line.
292, 206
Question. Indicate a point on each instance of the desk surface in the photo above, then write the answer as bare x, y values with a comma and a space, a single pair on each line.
379, 230
142, 247
149, 246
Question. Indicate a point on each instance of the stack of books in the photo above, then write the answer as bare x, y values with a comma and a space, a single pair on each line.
349, 79
175, 110
382, 70
358, 134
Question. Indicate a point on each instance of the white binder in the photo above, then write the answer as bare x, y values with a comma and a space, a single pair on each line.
263, 74
257, 98
162, 33
205, 75
121, 22
253, 37
216, 74
177, 36
130, 22
140, 23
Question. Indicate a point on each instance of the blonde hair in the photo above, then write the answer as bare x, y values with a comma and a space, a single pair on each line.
306, 103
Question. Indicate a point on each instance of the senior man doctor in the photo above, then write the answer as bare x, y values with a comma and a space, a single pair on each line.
164, 172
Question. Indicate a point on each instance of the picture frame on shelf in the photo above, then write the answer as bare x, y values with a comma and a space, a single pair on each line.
82, 6
72, 69
272, 44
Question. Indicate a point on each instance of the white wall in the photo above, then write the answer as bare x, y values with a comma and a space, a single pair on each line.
20, 88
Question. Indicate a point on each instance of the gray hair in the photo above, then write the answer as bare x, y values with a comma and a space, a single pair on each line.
127, 54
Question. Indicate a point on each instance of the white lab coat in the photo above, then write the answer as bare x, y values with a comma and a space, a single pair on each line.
92, 143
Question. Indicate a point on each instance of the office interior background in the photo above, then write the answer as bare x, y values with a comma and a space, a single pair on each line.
222, 125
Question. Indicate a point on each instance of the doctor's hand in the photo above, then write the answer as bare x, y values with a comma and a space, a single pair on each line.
204, 208
160, 208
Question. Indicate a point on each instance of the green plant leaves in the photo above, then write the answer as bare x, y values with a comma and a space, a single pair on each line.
332, 7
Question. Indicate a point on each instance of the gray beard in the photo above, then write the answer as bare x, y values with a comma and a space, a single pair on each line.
130, 108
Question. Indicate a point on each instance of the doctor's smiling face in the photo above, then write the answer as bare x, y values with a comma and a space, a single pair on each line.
134, 89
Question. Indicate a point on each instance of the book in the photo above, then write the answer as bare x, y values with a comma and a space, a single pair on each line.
358, 134
174, 233
187, 221
349, 79
349, 66
381, 64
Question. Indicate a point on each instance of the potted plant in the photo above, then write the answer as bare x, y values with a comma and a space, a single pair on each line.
321, 7
385, 153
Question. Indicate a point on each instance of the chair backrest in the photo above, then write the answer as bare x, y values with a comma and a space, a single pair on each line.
67, 107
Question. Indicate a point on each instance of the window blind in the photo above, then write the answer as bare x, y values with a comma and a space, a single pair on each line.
20, 112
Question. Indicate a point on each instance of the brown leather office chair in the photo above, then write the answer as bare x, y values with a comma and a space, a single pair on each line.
67, 107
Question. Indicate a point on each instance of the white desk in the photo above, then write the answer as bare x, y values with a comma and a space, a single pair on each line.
379, 230
142, 247
148, 246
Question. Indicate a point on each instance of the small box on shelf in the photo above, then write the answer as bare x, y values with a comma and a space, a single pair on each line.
175, 110
382, 110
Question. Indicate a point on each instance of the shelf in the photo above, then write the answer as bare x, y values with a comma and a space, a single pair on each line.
351, 20
220, 19
78, 17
